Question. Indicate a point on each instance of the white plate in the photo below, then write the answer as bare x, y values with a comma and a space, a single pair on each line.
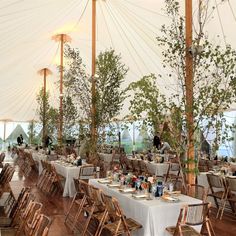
127, 190
141, 196
104, 181
113, 185
170, 199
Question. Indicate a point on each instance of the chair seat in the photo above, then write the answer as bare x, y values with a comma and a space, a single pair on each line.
5, 221
218, 194
8, 232
132, 225
232, 197
186, 230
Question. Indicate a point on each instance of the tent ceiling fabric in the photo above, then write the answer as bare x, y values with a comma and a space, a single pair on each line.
128, 26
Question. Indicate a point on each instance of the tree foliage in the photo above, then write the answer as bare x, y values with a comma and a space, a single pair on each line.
148, 104
214, 80
70, 116
109, 96
111, 73
213, 72
77, 84
47, 114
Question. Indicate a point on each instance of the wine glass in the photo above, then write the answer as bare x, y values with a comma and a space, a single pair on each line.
138, 184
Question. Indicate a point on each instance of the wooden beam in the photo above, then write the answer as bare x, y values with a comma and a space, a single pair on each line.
93, 107
189, 91
62, 38
44, 72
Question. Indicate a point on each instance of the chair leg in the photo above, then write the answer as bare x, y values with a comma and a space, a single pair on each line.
88, 220
83, 201
215, 200
67, 214
101, 223
210, 229
222, 209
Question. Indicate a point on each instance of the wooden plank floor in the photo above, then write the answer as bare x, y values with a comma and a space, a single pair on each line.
56, 207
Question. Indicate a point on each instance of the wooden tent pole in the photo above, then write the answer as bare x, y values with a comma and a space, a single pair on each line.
93, 89
61, 92
189, 91
62, 38
44, 72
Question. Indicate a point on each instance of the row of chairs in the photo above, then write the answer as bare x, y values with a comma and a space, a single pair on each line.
92, 212
2, 157
222, 189
139, 167
206, 165
25, 217
25, 162
5, 178
49, 180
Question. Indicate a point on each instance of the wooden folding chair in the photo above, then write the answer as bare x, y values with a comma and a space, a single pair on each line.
28, 216
76, 205
230, 194
192, 215
87, 172
84, 212
197, 191
114, 221
218, 191
43, 226
11, 218
38, 226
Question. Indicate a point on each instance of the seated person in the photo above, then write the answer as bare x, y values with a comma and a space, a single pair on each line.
165, 147
19, 140
233, 169
157, 141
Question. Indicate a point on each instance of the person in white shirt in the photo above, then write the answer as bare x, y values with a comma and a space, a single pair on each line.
165, 147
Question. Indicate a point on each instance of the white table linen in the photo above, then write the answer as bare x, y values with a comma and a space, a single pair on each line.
37, 156
158, 169
154, 215
69, 172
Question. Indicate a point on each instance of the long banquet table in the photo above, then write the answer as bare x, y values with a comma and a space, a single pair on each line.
69, 172
158, 169
154, 215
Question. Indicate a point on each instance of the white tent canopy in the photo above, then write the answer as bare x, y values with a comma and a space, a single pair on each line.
128, 26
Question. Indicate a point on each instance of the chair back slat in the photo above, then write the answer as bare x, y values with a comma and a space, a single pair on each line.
215, 181
87, 172
231, 184
197, 191
110, 208
195, 214
42, 226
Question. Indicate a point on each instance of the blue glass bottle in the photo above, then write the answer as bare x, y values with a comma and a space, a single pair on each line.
159, 190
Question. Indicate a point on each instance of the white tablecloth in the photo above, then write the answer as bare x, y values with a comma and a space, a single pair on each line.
158, 169
37, 156
154, 215
69, 172
154, 168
